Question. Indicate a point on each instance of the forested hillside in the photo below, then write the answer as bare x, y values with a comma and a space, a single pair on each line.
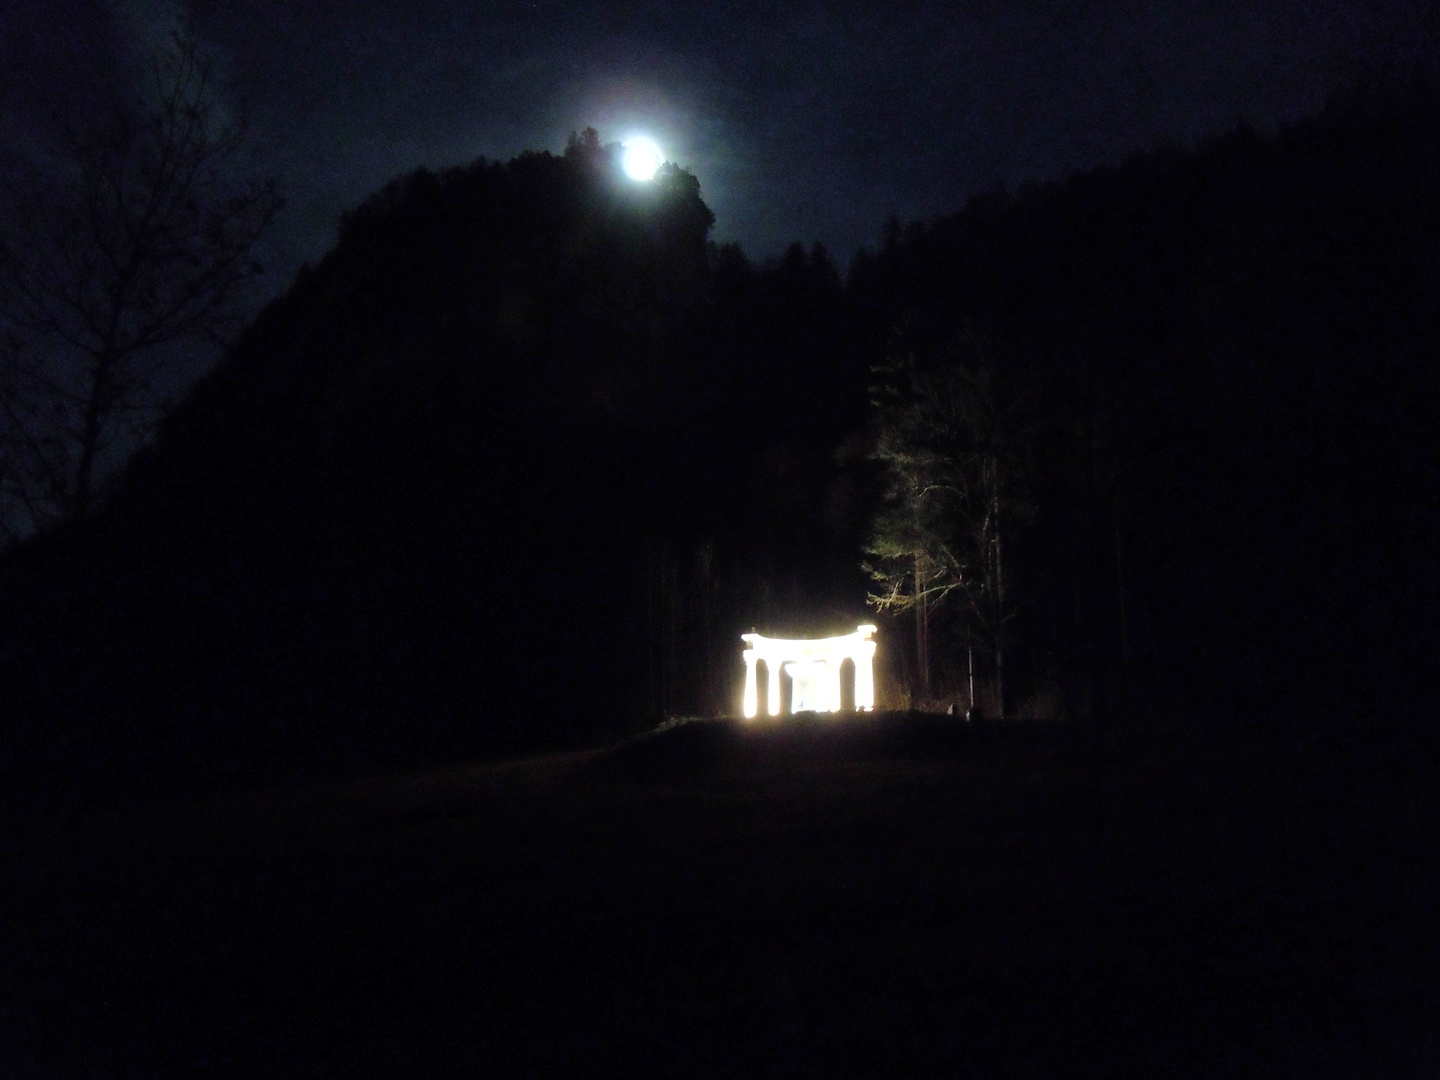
517, 461
1221, 373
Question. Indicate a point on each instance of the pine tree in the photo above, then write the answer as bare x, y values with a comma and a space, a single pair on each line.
951, 447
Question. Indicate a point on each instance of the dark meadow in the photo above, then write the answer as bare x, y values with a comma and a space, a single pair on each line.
348, 730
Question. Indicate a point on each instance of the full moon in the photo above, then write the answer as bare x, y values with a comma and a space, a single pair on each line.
642, 158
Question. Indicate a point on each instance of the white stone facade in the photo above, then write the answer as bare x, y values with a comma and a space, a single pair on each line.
814, 669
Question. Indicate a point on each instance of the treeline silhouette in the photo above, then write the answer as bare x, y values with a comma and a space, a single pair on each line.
513, 466
1228, 360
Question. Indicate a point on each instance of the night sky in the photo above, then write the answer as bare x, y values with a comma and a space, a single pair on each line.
370, 710
802, 122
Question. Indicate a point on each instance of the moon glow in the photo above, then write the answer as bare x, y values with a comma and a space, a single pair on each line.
642, 157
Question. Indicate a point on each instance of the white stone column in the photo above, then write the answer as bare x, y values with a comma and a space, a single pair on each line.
865, 677
751, 697
832, 696
772, 665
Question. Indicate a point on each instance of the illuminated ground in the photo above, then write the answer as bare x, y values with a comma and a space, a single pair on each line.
711, 902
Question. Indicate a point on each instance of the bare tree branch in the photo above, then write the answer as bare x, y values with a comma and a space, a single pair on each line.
144, 242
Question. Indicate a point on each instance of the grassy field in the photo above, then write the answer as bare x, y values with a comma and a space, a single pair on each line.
896, 896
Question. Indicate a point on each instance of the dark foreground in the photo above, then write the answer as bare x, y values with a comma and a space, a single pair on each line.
898, 900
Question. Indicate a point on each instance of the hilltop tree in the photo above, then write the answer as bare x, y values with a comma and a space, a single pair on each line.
132, 238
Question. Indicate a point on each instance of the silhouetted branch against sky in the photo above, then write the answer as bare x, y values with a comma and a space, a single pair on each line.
122, 236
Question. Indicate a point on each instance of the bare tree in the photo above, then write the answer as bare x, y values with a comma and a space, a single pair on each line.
132, 238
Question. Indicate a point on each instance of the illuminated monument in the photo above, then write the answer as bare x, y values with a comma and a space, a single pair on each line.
814, 670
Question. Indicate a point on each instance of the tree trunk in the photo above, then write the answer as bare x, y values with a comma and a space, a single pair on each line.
710, 695
999, 623
998, 571
922, 632
1120, 593
96, 409
970, 663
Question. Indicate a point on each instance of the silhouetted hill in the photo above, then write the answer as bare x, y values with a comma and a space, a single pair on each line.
412, 499
517, 461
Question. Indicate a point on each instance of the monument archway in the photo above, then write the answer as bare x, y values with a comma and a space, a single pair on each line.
813, 665
847, 685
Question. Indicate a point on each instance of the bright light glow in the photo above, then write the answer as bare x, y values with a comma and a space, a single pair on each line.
814, 669
642, 157
807, 686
